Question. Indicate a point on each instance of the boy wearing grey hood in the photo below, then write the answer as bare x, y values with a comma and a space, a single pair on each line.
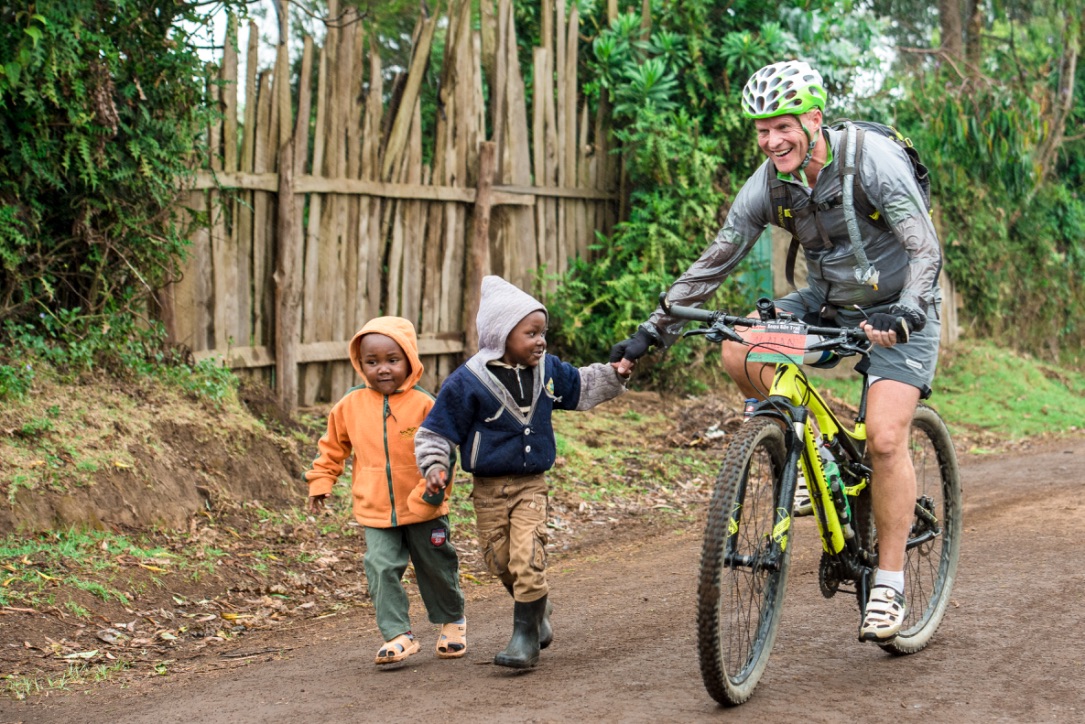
497, 409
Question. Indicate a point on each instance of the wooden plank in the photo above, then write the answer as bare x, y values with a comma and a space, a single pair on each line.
548, 230
499, 87
540, 68
289, 247
516, 194
488, 36
328, 276
414, 221
309, 377
456, 82
478, 258
321, 352
521, 227
560, 57
397, 139
538, 117
260, 204
505, 194
229, 97
560, 129
546, 28
369, 221
358, 312
184, 293
235, 245
569, 90
252, 60
583, 177
244, 219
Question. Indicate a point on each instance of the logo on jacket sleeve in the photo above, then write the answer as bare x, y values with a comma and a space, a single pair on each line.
438, 536
550, 386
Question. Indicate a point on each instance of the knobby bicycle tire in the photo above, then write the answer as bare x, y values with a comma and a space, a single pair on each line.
739, 597
930, 568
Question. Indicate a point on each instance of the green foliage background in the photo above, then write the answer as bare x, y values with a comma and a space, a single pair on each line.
103, 106
1013, 233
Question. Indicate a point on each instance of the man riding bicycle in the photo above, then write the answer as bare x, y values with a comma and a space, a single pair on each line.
887, 283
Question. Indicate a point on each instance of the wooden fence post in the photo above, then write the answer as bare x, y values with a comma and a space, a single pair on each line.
287, 327
478, 260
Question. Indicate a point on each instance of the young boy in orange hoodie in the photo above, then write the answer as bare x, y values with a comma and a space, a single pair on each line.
376, 423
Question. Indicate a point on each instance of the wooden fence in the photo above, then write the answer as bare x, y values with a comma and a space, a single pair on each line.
319, 212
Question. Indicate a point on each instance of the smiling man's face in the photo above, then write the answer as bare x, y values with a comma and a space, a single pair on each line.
784, 141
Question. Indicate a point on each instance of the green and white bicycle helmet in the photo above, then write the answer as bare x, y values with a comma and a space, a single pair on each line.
790, 87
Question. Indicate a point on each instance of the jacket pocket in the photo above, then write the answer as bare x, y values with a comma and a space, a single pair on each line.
476, 443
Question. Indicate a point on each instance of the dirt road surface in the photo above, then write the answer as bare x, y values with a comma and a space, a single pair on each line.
1009, 650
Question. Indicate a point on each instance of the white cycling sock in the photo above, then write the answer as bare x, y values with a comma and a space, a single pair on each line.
890, 578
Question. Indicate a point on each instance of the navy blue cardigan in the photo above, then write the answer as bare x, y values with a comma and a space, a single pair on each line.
494, 439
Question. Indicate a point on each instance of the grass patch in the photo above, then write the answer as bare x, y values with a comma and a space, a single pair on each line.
78, 674
983, 386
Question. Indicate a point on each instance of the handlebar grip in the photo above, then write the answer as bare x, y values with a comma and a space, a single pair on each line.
693, 313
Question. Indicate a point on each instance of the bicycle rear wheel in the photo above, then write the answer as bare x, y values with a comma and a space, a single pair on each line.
743, 572
930, 565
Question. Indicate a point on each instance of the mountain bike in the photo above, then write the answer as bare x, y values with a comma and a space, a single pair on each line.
748, 537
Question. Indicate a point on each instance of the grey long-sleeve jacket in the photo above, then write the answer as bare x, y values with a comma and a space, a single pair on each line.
908, 256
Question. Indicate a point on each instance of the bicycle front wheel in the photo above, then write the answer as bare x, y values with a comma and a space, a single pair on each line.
934, 543
743, 569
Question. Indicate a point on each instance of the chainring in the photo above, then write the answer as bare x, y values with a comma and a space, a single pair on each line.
830, 575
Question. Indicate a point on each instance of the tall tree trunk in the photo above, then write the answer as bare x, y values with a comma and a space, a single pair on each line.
974, 48
949, 18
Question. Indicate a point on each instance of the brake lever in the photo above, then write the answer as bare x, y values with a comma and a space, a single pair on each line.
716, 333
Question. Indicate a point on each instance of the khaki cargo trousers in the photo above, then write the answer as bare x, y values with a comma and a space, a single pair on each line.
511, 515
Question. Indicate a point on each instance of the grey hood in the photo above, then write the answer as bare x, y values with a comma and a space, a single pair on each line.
501, 307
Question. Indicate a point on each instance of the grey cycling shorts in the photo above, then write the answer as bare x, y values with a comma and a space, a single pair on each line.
912, 363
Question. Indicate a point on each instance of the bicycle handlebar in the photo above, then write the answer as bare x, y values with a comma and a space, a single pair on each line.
724, 323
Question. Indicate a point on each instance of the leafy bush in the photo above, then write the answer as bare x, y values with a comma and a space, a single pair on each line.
102, 109
687, 148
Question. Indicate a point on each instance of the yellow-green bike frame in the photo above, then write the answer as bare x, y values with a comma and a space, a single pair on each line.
789, 383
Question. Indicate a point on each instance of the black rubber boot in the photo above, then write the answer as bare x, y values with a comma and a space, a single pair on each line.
523, 649
546, 631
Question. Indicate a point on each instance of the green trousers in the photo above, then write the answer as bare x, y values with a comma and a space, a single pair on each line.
429, 547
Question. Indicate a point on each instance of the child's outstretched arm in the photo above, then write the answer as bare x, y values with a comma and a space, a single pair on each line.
599, 383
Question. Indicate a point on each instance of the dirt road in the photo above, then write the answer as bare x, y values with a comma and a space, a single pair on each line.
1009, 649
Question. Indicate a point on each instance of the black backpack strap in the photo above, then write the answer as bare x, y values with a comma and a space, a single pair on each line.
781, 204
781, 207
789, 265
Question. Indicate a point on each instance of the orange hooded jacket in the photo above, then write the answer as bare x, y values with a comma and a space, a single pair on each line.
379, 431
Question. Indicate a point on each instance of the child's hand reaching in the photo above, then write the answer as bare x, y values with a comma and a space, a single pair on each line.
435, 481
627, 373
316, 504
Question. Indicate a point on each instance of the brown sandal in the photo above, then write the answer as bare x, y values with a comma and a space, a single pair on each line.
452, 643
396, 650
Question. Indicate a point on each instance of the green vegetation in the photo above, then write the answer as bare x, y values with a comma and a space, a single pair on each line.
103, 110
78, 674
65, 434
993, 113
996, 390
